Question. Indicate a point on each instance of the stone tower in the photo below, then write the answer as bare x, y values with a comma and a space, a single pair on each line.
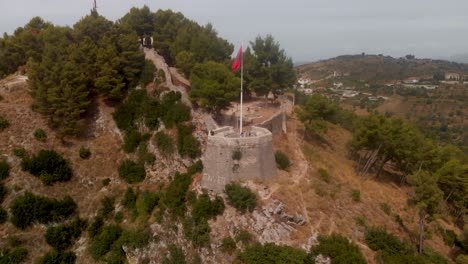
229, 157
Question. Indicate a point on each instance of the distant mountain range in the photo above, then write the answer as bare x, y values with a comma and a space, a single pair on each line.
460, 58
381, 68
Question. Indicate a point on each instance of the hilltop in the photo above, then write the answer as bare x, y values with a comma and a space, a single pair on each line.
379, 68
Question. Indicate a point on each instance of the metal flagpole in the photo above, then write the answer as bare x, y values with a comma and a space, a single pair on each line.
242, 90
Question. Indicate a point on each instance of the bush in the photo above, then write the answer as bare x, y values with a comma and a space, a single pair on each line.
3, 123
132, 172
96, 226
84, 153
106, 182
228, 245
147, 201
386, 208
57, 258
107, 206
175, 195
339, 249
49, 166
197, 232
242, 198
164, 143
17, 256
356, 195
187, 144
62, 237
102, 243
129, 200
144, 156
243, 236
29, 208
4, 170
282, 161
147, 75
20, 153
40, 135
176, 255
271, 253
135, 238
204, 208
131, 141
324, 175
3, 216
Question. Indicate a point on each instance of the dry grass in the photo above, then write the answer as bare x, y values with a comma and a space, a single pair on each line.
329, 206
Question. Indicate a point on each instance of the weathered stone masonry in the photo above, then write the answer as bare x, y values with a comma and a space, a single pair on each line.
223, 165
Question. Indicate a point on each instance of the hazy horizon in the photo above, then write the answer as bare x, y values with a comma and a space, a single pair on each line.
308, 30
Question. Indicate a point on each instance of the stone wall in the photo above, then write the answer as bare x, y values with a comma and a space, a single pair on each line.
257, 160
276, 124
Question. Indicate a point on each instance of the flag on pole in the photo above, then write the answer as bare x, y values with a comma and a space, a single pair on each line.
237, 61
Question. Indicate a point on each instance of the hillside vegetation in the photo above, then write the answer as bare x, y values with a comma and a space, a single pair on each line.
379, 68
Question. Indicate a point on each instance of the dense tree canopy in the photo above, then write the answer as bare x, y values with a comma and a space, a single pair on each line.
267, 68
96, 53
214, 86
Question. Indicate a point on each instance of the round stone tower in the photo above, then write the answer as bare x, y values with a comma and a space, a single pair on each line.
229, 157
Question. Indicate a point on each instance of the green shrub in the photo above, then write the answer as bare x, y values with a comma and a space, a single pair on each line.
228, 245
176, 194
3, 216
144, 156
107, 206
132, 172
449, 237
118, 217
131, 141
30, 208
137, 238
176, 255
102, 243
146, 202
14, 241
55, 257
49, 166
20, 153
129, 200
84, 153
3, 192
339, 249
197, 232
161, 77
3, 123
4, 170
187, 144
462, 259
96, 226
282, 161
147, 75
164, 143
40, 135
242, 198
106, 182
204, 208
392, 250
18, 255
356, 195
324, 175
62, 237
243, 236
386, 208
271, 253
196, 167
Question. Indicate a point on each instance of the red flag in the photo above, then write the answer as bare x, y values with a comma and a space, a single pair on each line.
237, 61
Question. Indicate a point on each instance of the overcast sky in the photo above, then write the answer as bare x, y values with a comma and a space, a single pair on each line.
307, 29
